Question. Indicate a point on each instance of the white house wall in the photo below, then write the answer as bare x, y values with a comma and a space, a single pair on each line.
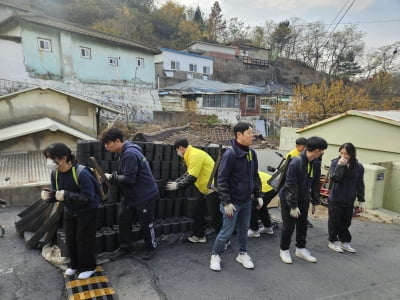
185, 61
12, 61
213, 48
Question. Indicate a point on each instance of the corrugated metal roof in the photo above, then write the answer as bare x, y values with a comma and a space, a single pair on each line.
386, 116
23, 168
105, 107
211, 86
393, 115
37, 126
186, 53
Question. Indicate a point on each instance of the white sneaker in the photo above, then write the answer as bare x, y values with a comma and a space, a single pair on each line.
86, 274
253, 233
195, 239
348, 247
245, 259
215, 262
69, 272
335, 246
267, 230
305, 254
285, 256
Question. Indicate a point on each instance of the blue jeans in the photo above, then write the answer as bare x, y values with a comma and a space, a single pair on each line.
240, 219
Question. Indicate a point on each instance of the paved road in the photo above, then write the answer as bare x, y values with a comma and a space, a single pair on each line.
181, 271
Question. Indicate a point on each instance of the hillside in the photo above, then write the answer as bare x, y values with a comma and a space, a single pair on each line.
283, 71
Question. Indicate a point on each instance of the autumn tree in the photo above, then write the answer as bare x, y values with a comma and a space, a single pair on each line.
215, 24
166, 21
320, 101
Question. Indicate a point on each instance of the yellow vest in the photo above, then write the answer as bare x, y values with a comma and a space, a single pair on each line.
200, 165
293, 153
265, 187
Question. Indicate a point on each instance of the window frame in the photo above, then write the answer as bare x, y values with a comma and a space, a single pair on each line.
113, 61
86, 49
193, 68
176, 65
45, 42
247, 102
206, 70
140, 62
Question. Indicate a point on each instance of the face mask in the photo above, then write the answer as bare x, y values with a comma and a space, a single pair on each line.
50, 164
179, 153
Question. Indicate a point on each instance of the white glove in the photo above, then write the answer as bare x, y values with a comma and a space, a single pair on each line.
45, 195
229, 209
295, 212
108, 176
260, 203
171, 186
360, 205
60, 195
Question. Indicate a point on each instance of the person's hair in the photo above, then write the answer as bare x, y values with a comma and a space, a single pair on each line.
181, 142
59, 150
301, 141
111, 135
241, 127
351, 150
316, 142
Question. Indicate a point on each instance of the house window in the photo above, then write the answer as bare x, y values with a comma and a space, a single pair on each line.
174, 65
44, 45
192, 68
86, 52
225, 101
251, 102
206, 69
140, 62
113, 61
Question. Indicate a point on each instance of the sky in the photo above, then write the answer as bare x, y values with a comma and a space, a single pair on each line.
364, 12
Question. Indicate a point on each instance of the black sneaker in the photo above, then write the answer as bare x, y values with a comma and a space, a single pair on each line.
120, 253
148, 254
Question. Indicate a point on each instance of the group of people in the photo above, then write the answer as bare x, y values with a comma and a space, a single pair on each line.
235, 194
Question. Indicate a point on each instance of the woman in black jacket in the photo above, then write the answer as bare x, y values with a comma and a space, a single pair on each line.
347, 175
74, 185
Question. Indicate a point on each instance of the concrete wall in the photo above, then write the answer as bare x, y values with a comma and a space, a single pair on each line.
213, 48
38, 141
12, 61
22, 195
35, 104
390, 197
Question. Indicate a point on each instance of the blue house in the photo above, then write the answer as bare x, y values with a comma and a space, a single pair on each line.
37, 46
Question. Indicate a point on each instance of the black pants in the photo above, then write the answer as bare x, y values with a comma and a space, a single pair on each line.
339, 221
211, 204
144, 213
289, 224
80, 234
262, 213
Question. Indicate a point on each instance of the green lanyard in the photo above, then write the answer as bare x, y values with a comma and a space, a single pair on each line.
310, 170
73, 175
249, 156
